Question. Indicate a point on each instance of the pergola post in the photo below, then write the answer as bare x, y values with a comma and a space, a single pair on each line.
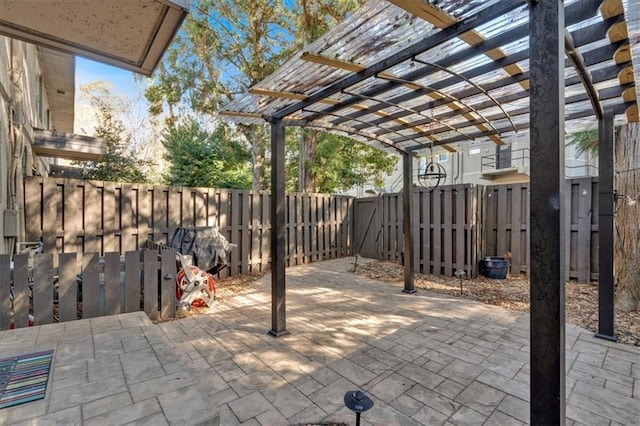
547, 29
278, 284
407, 224
606, 214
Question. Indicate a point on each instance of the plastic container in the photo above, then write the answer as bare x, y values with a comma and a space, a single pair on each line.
495, 268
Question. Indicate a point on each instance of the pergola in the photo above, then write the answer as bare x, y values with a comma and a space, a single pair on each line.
409, 75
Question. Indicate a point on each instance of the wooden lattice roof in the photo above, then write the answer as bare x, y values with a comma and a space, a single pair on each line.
406, 74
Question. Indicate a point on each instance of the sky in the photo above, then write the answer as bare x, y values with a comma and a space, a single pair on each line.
123, 81
88, 71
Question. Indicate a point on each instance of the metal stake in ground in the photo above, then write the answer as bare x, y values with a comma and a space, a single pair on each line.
460, 273
357, 402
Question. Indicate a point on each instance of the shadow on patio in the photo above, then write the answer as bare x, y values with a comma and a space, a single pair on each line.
424, 359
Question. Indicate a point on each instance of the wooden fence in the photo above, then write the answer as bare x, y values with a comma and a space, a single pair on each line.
70, 286
506, 228
447, 226
506, 209
70, 215
456, 226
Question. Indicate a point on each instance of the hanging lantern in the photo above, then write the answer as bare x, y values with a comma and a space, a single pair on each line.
433, 176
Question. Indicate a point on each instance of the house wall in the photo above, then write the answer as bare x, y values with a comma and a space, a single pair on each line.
465, 166
23, 107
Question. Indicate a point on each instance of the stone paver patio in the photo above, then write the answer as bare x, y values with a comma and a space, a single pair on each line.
424, 359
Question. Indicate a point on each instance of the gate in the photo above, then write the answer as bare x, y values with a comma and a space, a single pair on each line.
367, 234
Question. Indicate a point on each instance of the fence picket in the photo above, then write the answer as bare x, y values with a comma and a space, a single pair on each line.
516, 229
43, 289
90, 286
448, 230
244, 247
72, 224
416, 229
150, 268
33, 202
51, 200
112, 300
5, 291
437, 232
92, 216
67, 286
21, 277
109, 221
460, 209
132, 277
168, 285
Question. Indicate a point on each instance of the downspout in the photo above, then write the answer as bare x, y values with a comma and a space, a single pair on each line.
15, 124
455, 179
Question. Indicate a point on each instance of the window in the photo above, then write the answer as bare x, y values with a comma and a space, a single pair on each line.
442, 158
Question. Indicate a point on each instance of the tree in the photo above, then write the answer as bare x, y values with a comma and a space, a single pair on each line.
314, 19
224, 48
585, 142
627, 182
627, 245
198, 158
340, 163
119, 163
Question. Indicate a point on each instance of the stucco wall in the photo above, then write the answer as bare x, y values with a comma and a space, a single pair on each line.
23, 106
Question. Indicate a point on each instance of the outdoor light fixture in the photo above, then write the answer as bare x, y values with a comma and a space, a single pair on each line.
460, 273
357, 402
433, 175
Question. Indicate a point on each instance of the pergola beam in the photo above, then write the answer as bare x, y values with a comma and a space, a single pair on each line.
603, 95
594, 57
577, 12
484, 16
617, 109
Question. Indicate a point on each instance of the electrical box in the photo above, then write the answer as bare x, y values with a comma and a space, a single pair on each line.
11, 223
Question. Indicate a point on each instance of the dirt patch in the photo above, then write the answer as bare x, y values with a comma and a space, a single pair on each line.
581, 305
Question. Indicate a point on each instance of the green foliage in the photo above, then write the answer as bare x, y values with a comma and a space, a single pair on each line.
316, 17
227, 46
585, 142
223, 48
202, 159
119, 164
341, 163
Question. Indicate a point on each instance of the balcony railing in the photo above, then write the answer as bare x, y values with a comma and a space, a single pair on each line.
518, 158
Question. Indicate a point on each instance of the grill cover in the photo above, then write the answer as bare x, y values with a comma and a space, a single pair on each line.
208, 248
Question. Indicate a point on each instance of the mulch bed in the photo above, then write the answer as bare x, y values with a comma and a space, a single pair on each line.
581, 304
